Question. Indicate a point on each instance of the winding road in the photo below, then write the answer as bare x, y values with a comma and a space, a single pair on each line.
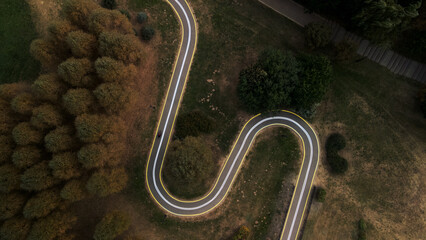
235, 159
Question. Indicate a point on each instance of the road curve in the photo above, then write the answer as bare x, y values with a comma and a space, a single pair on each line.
235, 159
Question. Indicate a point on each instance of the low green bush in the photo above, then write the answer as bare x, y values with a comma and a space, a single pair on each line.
320, 194
126, 13
362, 228
147, 33
141, 17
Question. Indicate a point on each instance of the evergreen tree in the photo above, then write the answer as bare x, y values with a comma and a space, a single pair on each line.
26, 156
10, 205
9, 178
111, 226
105, 182
65, 166
42, 204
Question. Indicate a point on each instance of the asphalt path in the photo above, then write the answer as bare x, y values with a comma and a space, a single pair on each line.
235, 159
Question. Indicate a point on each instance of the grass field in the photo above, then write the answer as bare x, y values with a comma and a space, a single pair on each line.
16, 33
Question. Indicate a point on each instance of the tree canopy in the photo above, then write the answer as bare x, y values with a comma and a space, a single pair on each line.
111, 226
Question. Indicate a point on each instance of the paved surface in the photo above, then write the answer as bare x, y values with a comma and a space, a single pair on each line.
393, 61
231, 167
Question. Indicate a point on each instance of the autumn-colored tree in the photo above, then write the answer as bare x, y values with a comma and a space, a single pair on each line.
78, 101
38, 177
9, 90
9, 178
82, 45
78, 11
60, 139
26, 156
16, 228
111, 70
46, 116
111, 226
126, 48
23, 103
74, 190
10, 205
116, 151
6, 116
93, 155
42, 204
105, 182
77, 72
65, 165
52, 226
49, 87
112, 97
45, 52
25, 134
104, 20
58, 31
6, 148
91, 127
115, 131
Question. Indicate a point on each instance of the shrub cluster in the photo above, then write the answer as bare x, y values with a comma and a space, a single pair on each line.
317, 35
334, 144
242, 234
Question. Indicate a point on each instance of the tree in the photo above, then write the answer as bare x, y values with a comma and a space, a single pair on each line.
112, 97
78, 101
78, 11
317, 35
6, 148
93, 155
77, 72
188, 165
193, 124
126, 48
91, 128
25, 134
45, 52
111, 226
6, 113
38, 177
61, 139
345, 50
9, 178
242, 234
268, 84
105, 182
24, 103
10, 205
82, 45
141, 17
16, 228
335, 143
381, 19
320, 194
58, 31
147, 33
9, 90
104, 20
42, 204
74, 190
46, 116
52, 226
111, 70
314, 80
26, 156
110, 4
49, 87
65, 166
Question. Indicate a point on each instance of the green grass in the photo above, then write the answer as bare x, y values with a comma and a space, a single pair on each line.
16, 33
271, 160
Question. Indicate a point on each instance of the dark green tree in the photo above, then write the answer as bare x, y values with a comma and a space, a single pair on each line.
141, 17
105, 182
10, 205
42, 204
320, 194
9, 178
111, 226
110, 4
147, 33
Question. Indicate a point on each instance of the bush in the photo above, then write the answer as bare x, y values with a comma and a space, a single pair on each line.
320, 194
38, 178
317, 35
193, 124
52, 226
111, 226
41, 204
49, 87
25, 134
345, 50
362, 228
26, 156
82, 45
59, 140
242, 234
46, 116
105, 182
78, 101
15, 228
74, 190
141, 17
93, 155
65, 166
6, 148
78, 11
77, 72
335, 143
10, 205
103, 20
112, 97
24, 103
9, 178
110, 4
126, 48
111, 70
91, 128
147, 33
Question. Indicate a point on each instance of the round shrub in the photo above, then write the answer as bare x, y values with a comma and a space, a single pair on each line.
147, 33
141, 17
320, 195
110, 4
